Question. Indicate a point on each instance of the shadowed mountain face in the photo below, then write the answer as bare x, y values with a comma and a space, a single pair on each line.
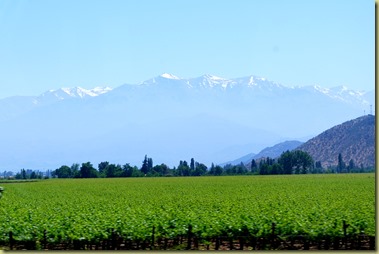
354, 140
209, 118
276, 150
272, 152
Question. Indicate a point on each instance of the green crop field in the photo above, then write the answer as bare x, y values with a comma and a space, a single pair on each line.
158, 213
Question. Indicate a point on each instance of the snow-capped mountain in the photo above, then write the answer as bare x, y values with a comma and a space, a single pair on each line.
342, 93
256, 84
209, 118
208, 81
75, 92
14, 106
169, 76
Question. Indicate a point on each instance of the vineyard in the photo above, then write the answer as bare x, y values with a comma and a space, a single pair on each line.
235, 212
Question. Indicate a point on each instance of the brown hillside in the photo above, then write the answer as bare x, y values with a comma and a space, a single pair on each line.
354, 139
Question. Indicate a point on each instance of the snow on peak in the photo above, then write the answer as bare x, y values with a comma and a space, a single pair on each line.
66, 90
341, 93
251, 80
323, 90
81, 92
75, 92
339, 88
211, 81
169, 76
212, 77
78, 92
101, 90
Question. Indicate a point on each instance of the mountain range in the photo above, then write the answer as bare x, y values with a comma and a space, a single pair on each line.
209, 118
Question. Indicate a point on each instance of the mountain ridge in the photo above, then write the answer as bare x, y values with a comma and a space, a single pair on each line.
353, 139
249, 81
168, 118
271, 151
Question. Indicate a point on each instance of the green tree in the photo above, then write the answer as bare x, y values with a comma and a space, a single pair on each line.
351, 166
218, 170
286, 161
264, 169
270, 161
88, 171
63, 172
184, 169
161, 170
23, 174
127, 170
75, 170
192, 164
241, 169
317, 168
147, 165
254, 166
102, 168
212, 169
136, 172
113, 170
295, 161
276, 169
200, 169
33, 175
229, 169
341, 164
306, 162
144, 168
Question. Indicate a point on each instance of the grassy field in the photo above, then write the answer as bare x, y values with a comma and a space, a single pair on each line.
59, 210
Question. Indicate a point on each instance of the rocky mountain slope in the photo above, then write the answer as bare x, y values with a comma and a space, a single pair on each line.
354, 139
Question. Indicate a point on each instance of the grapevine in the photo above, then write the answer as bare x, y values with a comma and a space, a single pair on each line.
66, 211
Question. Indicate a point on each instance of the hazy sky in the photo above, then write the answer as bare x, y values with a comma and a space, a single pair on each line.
47, 44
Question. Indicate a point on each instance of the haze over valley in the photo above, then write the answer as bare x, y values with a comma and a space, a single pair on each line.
209, 118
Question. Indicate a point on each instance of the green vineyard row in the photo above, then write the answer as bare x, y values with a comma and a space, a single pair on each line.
317, 206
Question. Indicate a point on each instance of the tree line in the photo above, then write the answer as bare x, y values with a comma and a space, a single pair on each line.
290, 162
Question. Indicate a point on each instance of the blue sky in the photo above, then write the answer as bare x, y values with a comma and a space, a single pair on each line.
65, 43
